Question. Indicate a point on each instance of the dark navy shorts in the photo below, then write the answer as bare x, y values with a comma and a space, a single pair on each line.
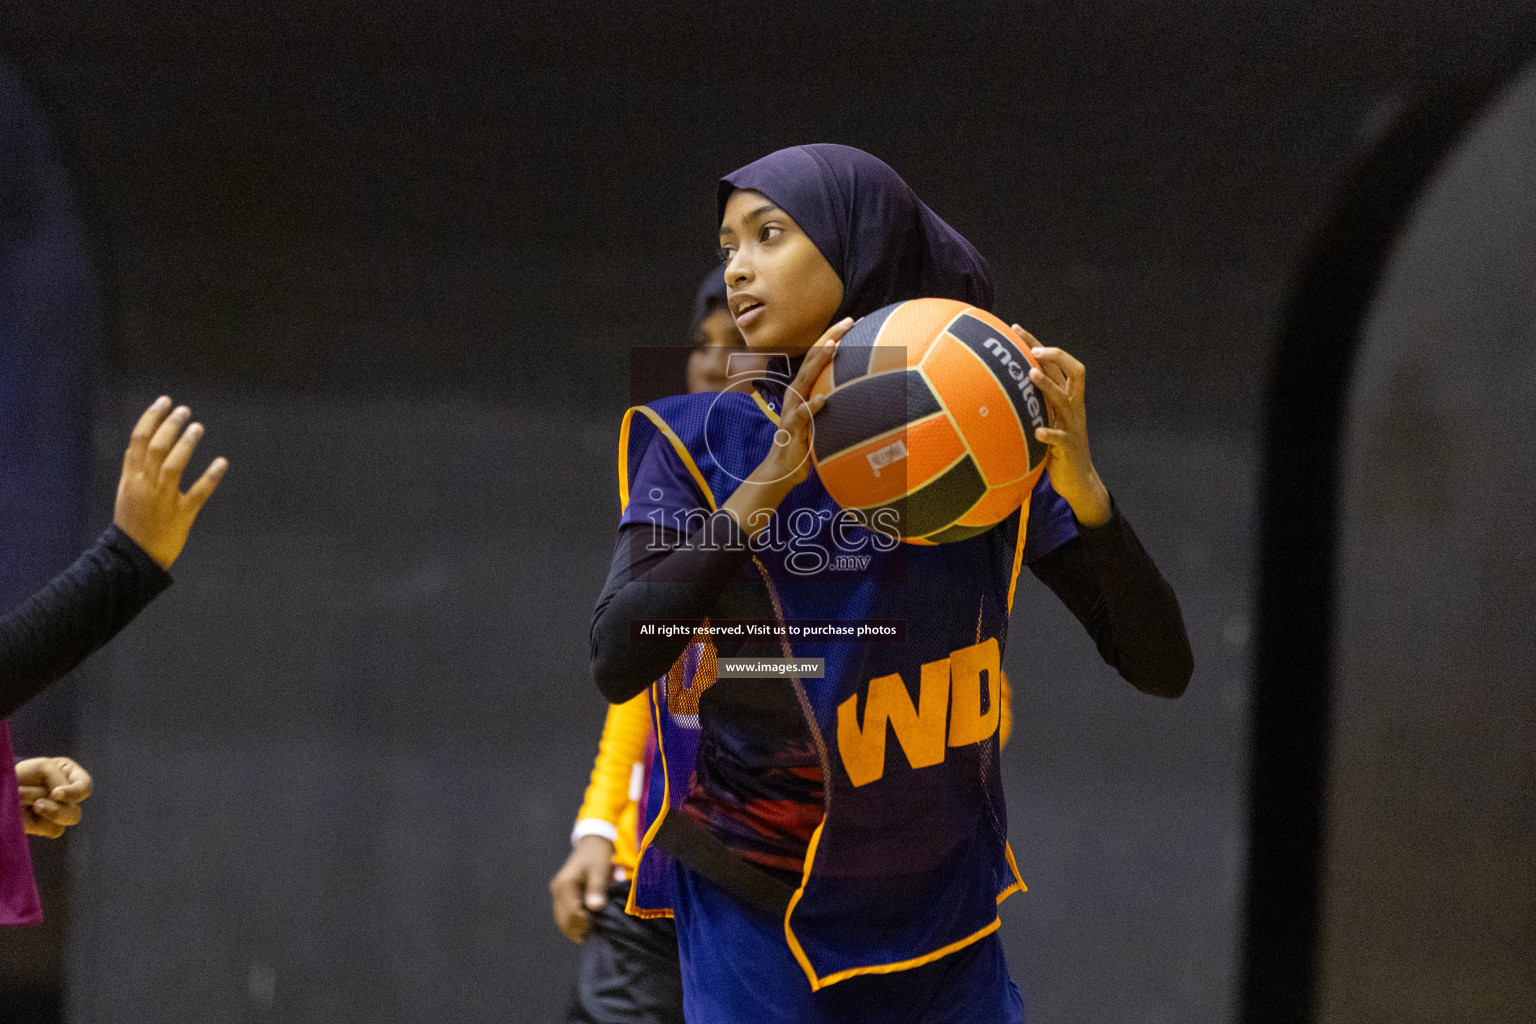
628, 972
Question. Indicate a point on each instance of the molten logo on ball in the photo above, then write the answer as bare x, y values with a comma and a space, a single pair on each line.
930, 416
1020, 374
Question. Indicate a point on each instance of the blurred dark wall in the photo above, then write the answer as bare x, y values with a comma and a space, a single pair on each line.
501, 197
1429, 908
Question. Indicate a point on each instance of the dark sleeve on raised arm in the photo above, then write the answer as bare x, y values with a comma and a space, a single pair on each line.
678, 578
1109, 582
77, 612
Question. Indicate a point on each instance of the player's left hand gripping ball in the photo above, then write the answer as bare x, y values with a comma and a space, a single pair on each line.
1062, 379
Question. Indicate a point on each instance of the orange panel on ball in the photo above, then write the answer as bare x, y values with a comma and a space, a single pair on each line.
980, 407
879, 471
908, 333
822, 385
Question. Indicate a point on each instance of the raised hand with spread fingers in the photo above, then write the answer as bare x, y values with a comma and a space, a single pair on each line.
88, 603
151, 507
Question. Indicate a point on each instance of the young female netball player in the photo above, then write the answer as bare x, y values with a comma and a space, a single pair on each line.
79, 611
816, 870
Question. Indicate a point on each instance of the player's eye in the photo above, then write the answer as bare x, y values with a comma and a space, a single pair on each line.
724, 253
768, 232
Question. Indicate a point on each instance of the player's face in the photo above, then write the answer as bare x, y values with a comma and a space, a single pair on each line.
781, 290
719, 355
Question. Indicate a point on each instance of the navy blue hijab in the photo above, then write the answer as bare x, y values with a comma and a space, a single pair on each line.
884, 243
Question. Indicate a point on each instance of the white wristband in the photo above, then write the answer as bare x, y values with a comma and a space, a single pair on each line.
594, 827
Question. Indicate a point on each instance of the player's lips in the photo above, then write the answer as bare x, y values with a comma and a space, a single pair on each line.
745, 307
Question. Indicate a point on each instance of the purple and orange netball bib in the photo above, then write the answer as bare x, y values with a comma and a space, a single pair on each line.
911, 859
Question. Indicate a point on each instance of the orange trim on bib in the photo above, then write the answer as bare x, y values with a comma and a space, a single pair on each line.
789, 933
1018, 551
666, 805
819, 983
1018, 879
677, 446
763, 405
693, 470
907, 965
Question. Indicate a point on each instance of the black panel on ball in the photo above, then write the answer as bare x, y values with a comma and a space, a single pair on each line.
936, 505
955, 533
868, 408
856, 349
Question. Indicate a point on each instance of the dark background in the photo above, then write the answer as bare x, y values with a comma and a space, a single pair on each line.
503, 197
396, 255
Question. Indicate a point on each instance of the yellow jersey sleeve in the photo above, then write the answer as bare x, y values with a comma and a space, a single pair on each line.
1005, 727
608, 808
